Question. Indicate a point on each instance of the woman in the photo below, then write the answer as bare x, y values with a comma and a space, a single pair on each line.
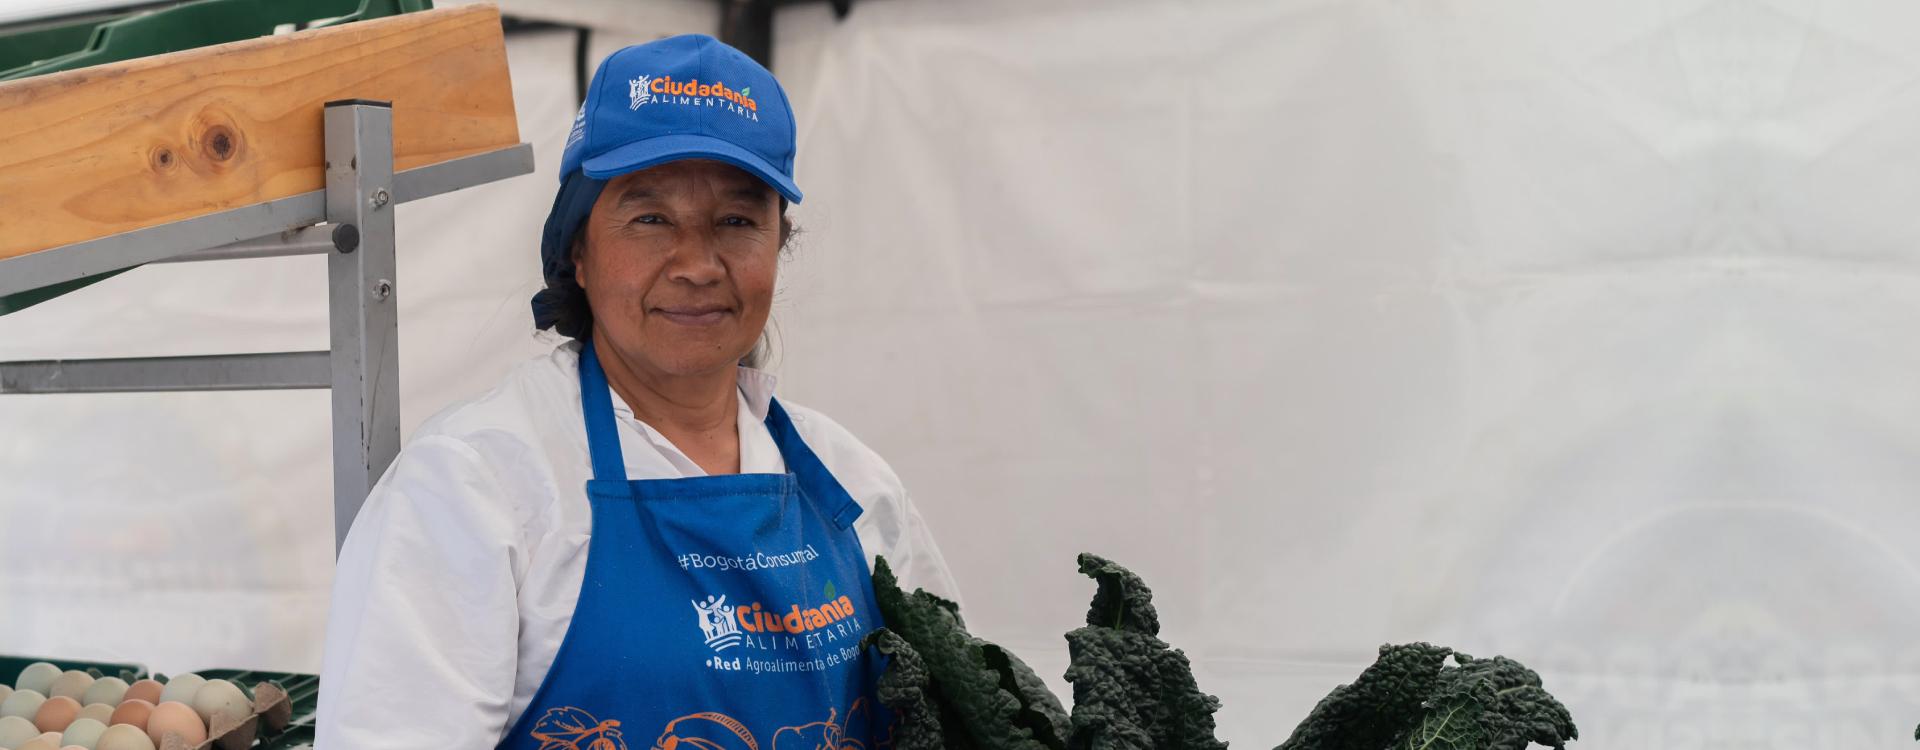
630, 542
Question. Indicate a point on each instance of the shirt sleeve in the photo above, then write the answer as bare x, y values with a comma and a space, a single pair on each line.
421, 642
916, 558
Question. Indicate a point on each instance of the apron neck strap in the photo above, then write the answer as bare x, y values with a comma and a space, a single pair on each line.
596, 405
603, 442
815, 480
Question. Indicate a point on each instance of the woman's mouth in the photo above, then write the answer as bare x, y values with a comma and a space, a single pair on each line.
693, 315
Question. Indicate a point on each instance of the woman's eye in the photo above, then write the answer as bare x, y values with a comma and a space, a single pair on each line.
737, 221
649, 219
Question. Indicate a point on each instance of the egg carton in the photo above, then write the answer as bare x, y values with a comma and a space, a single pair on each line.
284, 703
302, 692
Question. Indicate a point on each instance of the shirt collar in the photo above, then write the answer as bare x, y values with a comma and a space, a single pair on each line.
755, 386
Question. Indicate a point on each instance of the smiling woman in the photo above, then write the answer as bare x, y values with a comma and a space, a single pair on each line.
542, 562
678, 262
634, 209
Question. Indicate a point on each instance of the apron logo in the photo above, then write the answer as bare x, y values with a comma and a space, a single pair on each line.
716, 623
758, 626
796, 620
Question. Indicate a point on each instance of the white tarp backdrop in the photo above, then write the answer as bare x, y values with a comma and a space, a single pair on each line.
1578, 332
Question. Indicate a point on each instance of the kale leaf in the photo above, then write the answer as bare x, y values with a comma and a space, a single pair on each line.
1514, 708
1410, 699
987, 697
1380, 706
1131, 691
907, 689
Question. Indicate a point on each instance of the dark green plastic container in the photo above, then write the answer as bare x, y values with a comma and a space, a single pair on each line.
10, 667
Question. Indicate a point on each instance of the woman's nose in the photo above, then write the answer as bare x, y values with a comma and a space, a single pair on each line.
696, 259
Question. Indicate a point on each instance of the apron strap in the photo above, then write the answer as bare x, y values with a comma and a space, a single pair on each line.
603, 442
596, 405
815, 480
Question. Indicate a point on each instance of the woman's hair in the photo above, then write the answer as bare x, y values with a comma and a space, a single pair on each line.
573, 317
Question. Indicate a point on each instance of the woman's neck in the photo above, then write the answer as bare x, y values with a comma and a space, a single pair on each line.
699, 413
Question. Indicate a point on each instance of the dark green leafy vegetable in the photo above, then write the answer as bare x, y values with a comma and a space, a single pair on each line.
988, 698
1453, 723
952, 691
1519, 711
907, 689
1040, 712
1379, 707
1131, 691
1410, 699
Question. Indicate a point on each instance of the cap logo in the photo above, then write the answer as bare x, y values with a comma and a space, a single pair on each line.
653, 89
637, 93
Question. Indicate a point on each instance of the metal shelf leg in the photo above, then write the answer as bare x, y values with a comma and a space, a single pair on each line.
361, 303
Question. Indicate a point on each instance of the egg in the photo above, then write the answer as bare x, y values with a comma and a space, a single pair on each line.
108, 690
15, 731
37, 677
55, 714
176, 718
99, 712
83, 732
22, 704
131, 711
5, 692
146, 690
219, 697
73, 683
47, 741
124, 737
181, 689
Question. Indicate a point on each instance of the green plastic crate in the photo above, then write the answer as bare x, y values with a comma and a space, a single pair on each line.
23, 47
195, 24
10, 667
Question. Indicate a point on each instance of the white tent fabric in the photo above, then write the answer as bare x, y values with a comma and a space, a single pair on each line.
1571, 332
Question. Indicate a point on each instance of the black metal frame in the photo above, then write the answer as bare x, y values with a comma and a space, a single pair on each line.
748, 24
745, 24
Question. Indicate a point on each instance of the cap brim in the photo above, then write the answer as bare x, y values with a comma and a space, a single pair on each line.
662, 149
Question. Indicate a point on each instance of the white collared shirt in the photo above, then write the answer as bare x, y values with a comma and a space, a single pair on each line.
459, 577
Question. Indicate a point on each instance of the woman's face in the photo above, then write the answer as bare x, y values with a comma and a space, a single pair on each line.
679, 265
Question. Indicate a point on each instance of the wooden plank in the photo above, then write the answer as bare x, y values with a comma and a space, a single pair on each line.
98, 151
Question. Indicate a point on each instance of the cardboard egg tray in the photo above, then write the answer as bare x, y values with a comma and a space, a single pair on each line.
283, 702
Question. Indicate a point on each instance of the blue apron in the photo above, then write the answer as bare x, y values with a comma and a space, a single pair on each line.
717, 613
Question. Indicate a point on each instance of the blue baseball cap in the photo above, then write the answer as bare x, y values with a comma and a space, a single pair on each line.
683, 97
